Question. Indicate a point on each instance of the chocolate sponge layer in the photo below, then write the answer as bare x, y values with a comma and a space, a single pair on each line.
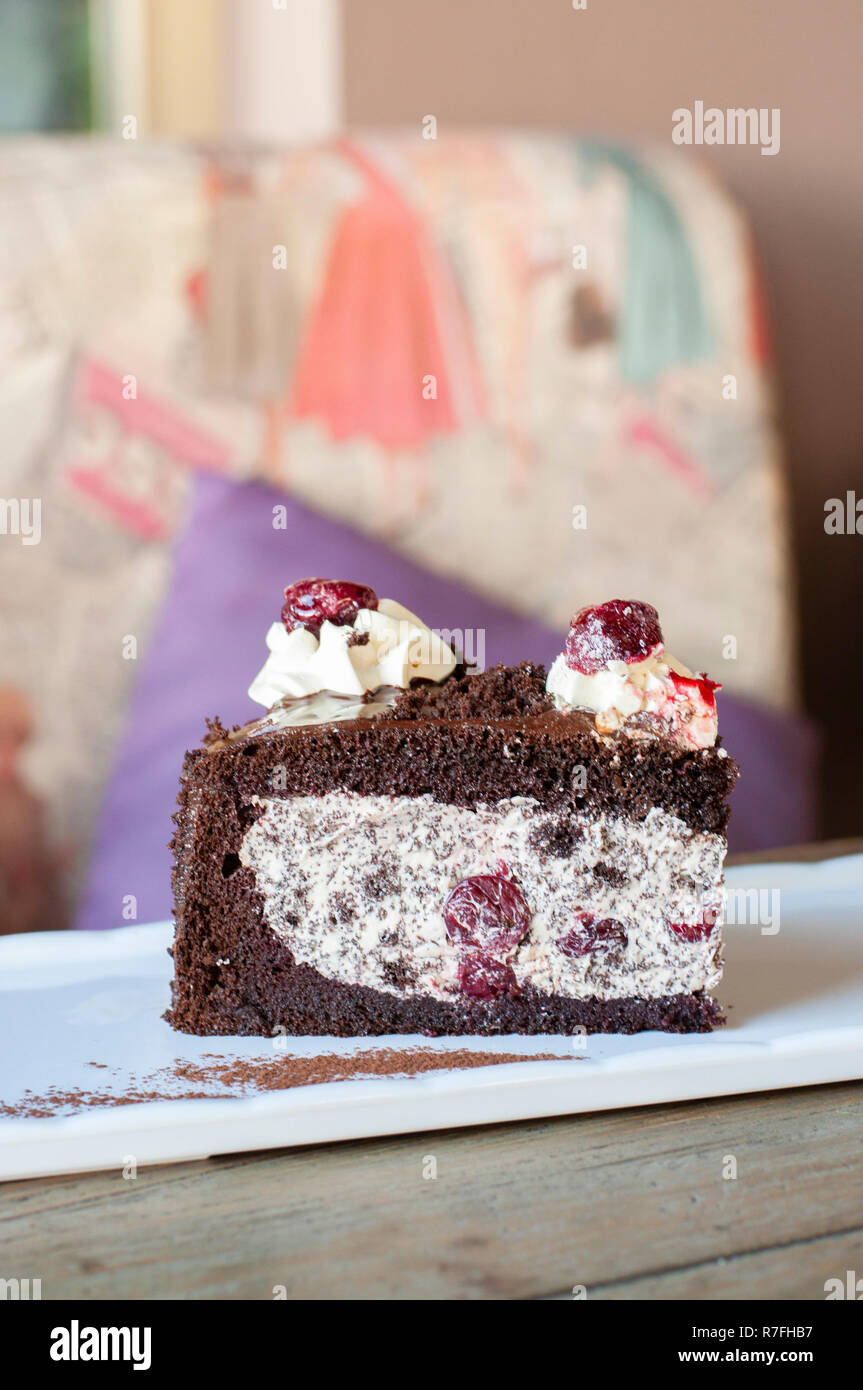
479, 739
266, 993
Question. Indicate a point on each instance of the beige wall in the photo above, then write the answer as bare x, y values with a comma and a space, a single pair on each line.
621, 67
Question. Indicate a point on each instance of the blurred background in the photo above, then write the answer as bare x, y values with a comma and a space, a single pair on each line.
424, 296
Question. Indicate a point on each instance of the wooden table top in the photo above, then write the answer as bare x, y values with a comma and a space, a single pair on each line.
628, 1203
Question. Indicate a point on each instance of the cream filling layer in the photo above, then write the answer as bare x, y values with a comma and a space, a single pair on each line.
355, 886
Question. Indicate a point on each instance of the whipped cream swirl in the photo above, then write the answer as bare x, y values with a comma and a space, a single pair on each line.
388, 645
660, 685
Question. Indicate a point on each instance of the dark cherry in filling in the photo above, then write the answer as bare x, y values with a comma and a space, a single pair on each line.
487, 911
483, 977
592, 936
696, 931
486, 917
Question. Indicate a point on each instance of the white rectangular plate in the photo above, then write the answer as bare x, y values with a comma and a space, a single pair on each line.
71, 1000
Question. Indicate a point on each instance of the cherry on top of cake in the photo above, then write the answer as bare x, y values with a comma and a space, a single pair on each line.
337, 640
615, 664
337, 636
619, 630
309, 603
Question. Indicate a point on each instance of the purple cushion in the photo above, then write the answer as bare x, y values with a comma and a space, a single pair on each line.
230, 568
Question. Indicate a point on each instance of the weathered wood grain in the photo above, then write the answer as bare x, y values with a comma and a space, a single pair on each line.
797, 1271
629, 1203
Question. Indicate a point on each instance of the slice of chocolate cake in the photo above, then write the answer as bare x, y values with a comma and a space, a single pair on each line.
401, 846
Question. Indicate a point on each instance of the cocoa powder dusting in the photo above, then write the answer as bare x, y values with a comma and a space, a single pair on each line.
232, 1078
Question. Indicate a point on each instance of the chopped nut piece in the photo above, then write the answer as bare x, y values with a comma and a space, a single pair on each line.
608, 721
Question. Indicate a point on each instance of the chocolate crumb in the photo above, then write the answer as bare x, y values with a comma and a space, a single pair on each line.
398, 974
216, 731
514, 692
380, 883
559, 838
610, 874
344, 908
